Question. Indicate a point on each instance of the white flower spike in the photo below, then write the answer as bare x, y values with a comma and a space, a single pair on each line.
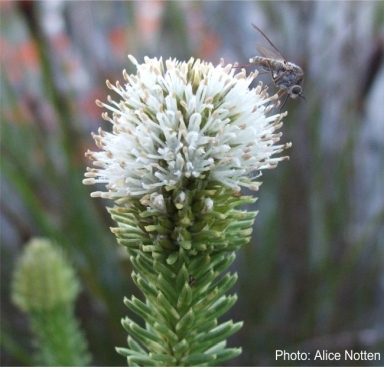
186, 137
182, 121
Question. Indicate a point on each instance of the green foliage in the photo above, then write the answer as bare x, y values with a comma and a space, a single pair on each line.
183, 282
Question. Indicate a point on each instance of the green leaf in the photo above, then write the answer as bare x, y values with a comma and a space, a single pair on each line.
141, 309
167, 305
206, 340
135, 346
165, 332
185, 297
172, 258
163, 358
147, 338
164, 270
141, 360
226, 354
147, 288
197, 359
182, 277
185, 323
181, 347
125, 352
168, 290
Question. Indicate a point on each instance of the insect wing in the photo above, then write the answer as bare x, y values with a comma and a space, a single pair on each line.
270, 54
276, 54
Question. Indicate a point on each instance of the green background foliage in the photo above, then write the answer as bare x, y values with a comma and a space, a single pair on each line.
310, 278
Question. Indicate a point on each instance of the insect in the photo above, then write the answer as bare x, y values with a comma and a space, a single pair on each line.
285, 75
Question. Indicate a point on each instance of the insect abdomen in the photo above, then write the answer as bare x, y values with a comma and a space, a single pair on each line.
262, 61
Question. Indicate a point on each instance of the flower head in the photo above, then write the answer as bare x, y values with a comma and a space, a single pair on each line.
184, 121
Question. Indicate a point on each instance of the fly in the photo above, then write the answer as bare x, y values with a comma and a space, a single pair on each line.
285, 75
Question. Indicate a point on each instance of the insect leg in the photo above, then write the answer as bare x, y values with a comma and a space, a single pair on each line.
286, 98
279, 77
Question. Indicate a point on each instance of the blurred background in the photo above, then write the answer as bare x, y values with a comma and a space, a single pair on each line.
312, 277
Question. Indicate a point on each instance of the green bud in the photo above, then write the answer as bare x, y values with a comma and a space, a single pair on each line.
43, 278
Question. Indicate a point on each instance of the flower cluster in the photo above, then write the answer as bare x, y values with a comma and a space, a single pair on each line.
186, 137
183, 121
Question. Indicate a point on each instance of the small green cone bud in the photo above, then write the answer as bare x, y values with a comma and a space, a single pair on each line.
43, 279
45, 287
